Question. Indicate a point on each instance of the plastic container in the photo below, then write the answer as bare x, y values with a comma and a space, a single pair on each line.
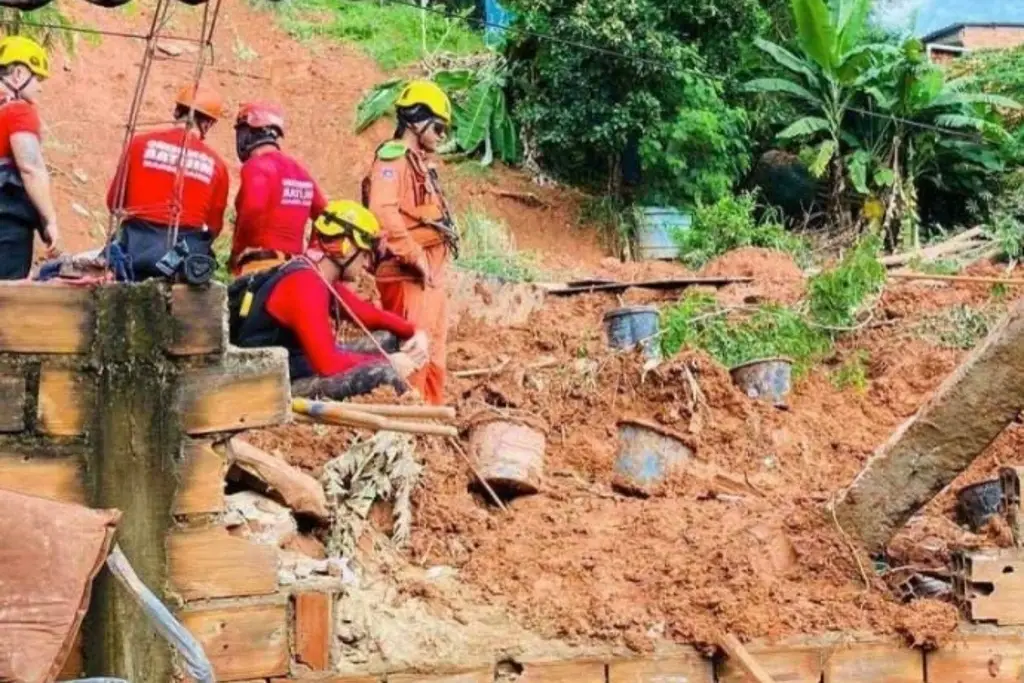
769, 379
978, 503
648, 454
654, 232
509, 453
628, 327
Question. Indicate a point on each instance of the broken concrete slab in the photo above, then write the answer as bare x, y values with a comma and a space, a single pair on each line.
966, 413
296, 489
255, 517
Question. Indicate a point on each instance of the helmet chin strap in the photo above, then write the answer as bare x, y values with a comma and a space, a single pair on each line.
18, 90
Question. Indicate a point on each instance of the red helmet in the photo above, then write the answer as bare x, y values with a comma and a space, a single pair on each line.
261, 115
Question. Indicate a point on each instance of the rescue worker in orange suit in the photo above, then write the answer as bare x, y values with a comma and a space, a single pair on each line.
26, 199
157, 190
403, 191
277, 195
295, 304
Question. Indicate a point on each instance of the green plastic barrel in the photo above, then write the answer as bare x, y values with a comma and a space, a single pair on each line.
654, 233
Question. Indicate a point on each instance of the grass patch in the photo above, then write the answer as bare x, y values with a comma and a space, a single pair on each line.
836, 297
394, 34
615, 223
960, 327
853, 374
731, 223
938, 267
735, 337
488, 248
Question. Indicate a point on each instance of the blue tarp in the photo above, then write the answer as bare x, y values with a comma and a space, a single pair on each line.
497, 18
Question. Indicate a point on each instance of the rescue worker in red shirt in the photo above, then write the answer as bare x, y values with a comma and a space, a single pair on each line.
277, 195
295, 305
403, 191
26, 199
156, 189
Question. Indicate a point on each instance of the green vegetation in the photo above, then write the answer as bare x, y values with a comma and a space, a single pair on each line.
835, 297
489, 249
853, 374
961, 327
13, 24
730, 223
394, 34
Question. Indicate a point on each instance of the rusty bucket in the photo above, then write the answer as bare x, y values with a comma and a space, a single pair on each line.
769, 379
509, 452
648, 454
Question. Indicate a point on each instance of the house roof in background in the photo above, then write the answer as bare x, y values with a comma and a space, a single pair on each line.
936, 17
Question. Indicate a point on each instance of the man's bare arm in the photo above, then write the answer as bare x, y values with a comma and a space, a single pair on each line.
28, 156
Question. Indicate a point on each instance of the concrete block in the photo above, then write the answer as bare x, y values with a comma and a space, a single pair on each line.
874, 663
200, 320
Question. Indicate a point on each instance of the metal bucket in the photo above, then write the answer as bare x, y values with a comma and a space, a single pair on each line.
766, 378
509, 453
634, 325
978, 503
648, 454
654, 234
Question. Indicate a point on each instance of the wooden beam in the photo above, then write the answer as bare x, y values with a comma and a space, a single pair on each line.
201, 490
200, 320
211, 563
12, 402
47, 477
966, 413
250, 389
45, 318
66, 401
242, 641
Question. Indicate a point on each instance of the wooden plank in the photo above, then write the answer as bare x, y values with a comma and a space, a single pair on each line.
211, 563
480, 676
874, 663
935, 445
685, 669
54, 478
45, 318
244, 641
796, 665
199, 320
995, 659
12, 403
563, 672
66, 401
313, 629
251, 390
740, 657
201, 490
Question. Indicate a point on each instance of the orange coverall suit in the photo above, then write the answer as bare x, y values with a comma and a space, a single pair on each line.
403, 196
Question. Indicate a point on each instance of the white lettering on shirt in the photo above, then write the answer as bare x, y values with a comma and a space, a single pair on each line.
163, 156
296, 192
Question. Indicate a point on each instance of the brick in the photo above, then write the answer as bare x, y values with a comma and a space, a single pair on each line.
12, 403
45, 318
686, 669
66, 401
47, 477
201, 490
994, 659
479, 676
211, 563
242, 642
313, 629
199, 320
990, 585
330, 679
563, 672
796, 665
250, 389
874, 663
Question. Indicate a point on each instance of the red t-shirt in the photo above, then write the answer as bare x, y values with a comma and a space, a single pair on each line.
16, 116
151, 164
276, 198
301, 302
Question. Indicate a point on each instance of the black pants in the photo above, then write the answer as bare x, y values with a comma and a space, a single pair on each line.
15, 248
146, 243
360, 380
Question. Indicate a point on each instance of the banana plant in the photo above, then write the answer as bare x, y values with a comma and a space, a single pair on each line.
482, 122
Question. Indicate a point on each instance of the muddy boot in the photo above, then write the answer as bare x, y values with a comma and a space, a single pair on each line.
361, 380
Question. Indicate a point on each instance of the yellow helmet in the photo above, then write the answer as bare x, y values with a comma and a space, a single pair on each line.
22, 50
430, 96
349, 219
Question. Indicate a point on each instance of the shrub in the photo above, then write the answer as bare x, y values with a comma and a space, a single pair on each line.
488, 248
836, 296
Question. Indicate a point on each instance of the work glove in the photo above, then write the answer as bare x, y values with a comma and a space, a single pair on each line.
403, 364
417, 347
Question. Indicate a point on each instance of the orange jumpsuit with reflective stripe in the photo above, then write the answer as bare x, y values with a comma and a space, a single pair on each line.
412, 276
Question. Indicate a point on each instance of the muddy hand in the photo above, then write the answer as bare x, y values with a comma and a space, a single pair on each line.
418, 348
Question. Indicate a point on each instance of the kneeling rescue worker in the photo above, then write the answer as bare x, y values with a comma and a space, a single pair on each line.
296, 305
277, 195
156, 189
403, 191
26, 201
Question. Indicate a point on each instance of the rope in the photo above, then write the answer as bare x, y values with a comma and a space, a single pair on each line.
74, 28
